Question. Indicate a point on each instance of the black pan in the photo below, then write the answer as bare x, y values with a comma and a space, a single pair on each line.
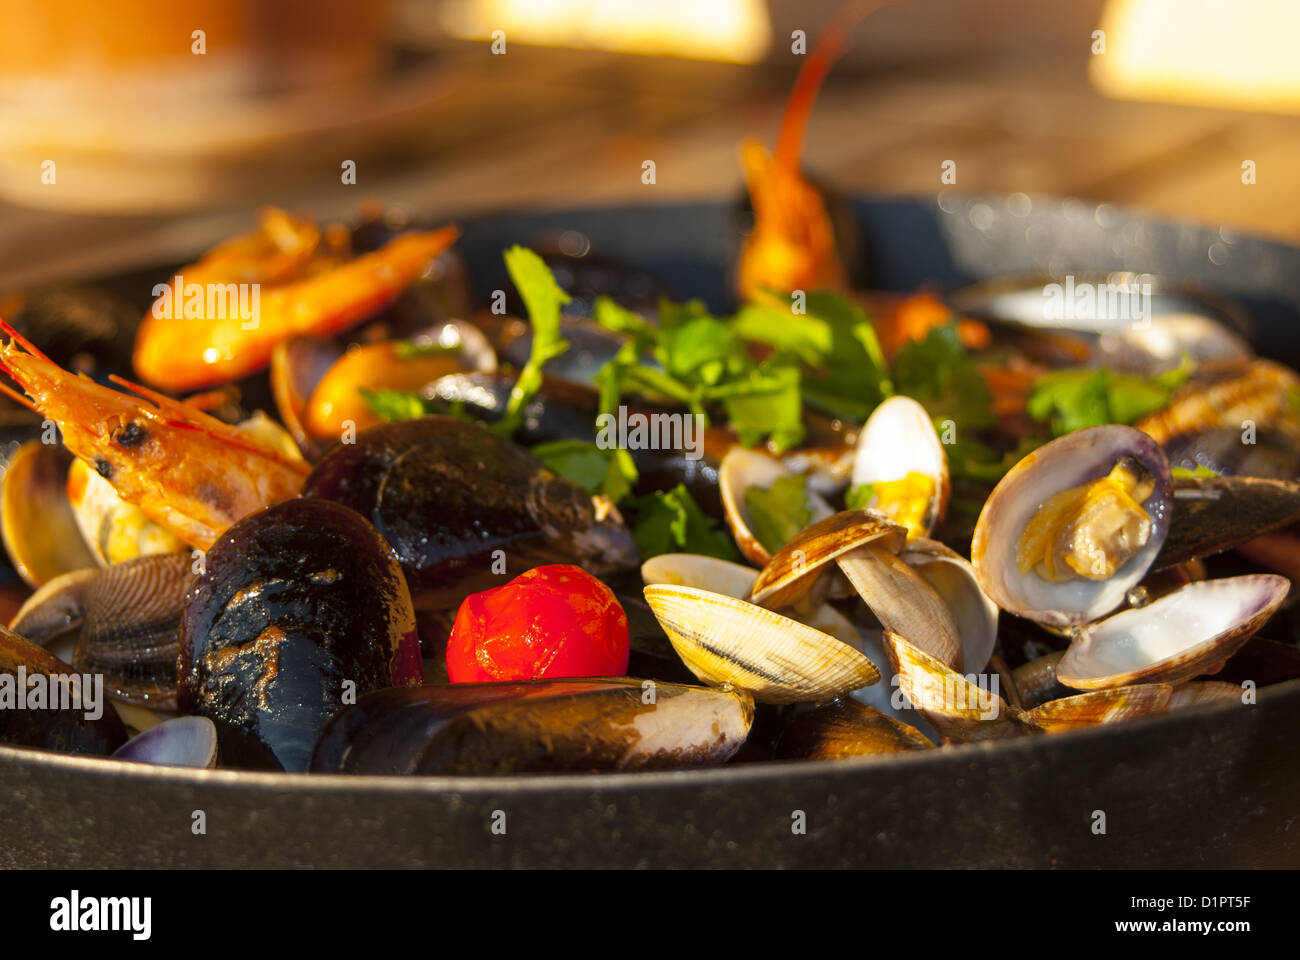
1213, 788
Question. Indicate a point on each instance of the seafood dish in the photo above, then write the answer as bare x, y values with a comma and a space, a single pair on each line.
386, 517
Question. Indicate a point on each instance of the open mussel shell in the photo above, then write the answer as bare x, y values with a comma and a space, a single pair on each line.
730, 642
178, 742
451, 498
959, 707
1184, 634
126, 620
1068, 462
46, 704
742, 469
301, 606
1100, 706
39, 527
898, 444
846, 728
952, 577
793, 572
1213, 514
541, 726
297, 365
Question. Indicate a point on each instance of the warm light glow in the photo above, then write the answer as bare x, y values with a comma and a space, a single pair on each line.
735, 31
1207, 52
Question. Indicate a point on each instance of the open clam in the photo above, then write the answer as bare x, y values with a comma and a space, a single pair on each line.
740, 474
900, 467
1067, 534
1184, 634
729, 642
38, 524
1074, 525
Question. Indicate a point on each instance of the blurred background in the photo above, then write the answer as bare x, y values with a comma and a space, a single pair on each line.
143, 131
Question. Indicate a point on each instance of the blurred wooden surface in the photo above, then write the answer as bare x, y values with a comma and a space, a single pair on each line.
552, 128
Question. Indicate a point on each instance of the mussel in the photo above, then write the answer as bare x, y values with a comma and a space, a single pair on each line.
300, 610
535, 727
46, 704
178, 742
465, 510
846, 728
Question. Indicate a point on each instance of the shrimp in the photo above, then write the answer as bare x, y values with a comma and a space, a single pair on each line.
189, 472
203, 333
792, 245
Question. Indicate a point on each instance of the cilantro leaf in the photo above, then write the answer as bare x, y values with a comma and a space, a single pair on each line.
1074, 399
779, 512
543, 299
611, 472
672, 522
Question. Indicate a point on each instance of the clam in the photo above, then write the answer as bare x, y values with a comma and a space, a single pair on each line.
1073, 528
959, 707
453, 500
1184, 634
744, 470
39, 527
901, 467
846, 728
729, 642
125, 620
1100, 706
535, 727
737, 580
1074, 525
46, 704
952, 577
1204, 693
178, 742
302, 607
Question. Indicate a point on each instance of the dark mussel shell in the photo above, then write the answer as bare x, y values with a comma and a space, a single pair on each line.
301, 606
448, 495
178, 742
63, 727
846, 728
537, 726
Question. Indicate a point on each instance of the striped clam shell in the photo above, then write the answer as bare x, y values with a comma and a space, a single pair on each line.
725, 641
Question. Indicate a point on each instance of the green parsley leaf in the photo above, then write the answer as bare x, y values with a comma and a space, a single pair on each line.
766, 403
543, 299
859, 496
396, 404
671, 522
611, 472
779, 512
408, 350
1074, 399
938, 372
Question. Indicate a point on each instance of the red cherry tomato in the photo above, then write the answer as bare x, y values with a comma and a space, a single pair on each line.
554, 621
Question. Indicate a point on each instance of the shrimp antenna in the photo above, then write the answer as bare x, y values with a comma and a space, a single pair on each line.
830, 44
22, 341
